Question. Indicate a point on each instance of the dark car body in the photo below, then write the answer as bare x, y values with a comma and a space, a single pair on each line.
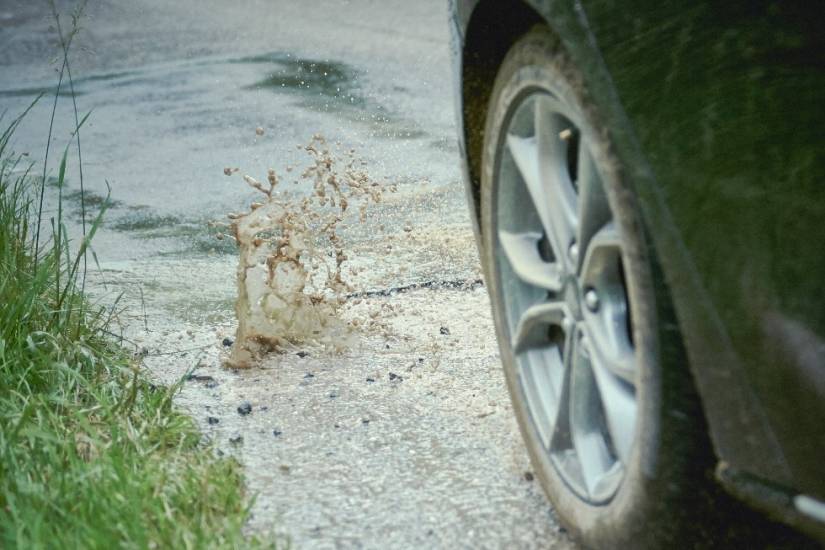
716, 111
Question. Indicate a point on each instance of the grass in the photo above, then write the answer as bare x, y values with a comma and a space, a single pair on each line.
92, 454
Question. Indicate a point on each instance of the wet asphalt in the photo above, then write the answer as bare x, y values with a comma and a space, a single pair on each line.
404, 441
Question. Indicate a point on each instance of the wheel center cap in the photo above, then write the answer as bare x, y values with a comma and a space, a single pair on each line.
572, 297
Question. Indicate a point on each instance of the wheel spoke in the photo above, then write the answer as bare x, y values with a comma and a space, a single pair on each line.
607, 326
594, 210
542, 372
606, 237
522, 250
611, 354
525, 154
618, 399
560, 195
545, 369
532, 328
586, 426
561, 427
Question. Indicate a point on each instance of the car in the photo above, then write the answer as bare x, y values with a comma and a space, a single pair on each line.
647, 187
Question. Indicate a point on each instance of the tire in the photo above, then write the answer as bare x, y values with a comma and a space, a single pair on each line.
665, 493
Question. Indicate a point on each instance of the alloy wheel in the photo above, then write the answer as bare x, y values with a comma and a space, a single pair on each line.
564, 293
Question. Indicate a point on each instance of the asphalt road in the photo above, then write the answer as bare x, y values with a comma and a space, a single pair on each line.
405, 440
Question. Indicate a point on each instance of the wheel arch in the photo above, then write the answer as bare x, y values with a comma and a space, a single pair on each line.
492, 29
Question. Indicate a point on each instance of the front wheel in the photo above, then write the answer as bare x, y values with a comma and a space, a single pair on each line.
602, 392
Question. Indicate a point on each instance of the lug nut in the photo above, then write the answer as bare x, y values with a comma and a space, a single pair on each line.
573, 252
591, 300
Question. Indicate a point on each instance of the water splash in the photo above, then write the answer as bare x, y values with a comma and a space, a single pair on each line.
290, 285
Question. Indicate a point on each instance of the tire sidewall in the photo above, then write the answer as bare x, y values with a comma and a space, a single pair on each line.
537, 62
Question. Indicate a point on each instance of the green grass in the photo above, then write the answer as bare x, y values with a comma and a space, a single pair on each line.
92, 454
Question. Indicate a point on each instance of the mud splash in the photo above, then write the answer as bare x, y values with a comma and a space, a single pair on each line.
290, 285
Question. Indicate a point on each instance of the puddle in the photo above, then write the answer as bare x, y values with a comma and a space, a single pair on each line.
35, 91
145, 221
104, 77
330, 86
65, 90
93, 201
207, 244
324, 80
187, 237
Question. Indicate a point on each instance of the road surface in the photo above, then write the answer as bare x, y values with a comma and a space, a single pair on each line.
404, 440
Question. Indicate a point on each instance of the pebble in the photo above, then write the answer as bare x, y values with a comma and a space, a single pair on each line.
227, 342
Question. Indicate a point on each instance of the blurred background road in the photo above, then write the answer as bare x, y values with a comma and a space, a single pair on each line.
178, 89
